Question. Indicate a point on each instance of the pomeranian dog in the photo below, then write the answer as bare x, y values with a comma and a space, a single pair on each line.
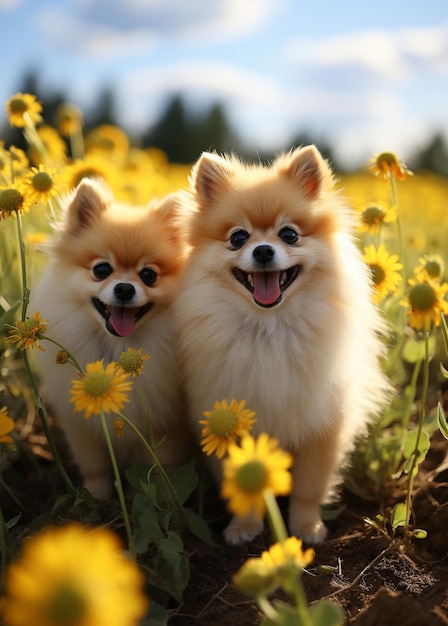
274, 307
107, 288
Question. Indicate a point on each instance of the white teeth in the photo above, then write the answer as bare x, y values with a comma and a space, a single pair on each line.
283, 277
250, 279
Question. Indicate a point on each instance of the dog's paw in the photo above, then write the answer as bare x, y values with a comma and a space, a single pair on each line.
310, 533
242, 529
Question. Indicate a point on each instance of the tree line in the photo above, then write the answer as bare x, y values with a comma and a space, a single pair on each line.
183, 135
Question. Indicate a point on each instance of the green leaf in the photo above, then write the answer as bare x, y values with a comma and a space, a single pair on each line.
411, 445
443, 370
441, 420
444, 328
199, 527
327, 613
13, 521
184, 479
419, 533
415, 350
398, 517
174, 566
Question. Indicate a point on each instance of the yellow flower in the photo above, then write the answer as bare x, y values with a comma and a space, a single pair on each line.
287, 552
13, 199
6, 426
108, 139
251, 470
426, 303
68, 119
118, 427
62, 357
384, 268
91, 167
73, 576
132, 361
223, 425
100, 389
53, 144
387, 164
29, 332
23, 108
374, 215
256, 578
41, 184
431, 266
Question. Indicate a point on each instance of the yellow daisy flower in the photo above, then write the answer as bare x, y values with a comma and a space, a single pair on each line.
91, 167
251, 470
426, 303
108, 139
374, 214
6, 426
132, 361
430, 266
29, 332
41, 184
100, 389
73, 576
287, 552
223, 425
387, 164
384, 268
13, 199
68, 119
256, 578
21, 108
54, 146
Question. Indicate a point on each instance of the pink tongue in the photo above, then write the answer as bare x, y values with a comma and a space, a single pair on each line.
122, 320
267, 287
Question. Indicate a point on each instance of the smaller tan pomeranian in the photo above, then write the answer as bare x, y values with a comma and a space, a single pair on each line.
274, 307
108, 287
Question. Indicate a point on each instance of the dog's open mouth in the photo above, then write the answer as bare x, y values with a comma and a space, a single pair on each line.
267, 287
120, 320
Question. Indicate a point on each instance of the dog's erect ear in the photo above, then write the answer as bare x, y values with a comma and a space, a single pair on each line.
309, 169
210, 176
89, 200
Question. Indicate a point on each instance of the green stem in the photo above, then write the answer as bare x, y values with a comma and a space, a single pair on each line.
295, 584
394, 201
152, 440
118, 484
415, 452
42, 412
25, 290
412, 392
40, 405
173, 493
70, 355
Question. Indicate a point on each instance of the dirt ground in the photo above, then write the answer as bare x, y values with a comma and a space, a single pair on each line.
375, 582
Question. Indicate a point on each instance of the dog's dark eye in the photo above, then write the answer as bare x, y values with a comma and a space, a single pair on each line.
289, 235
148, 276
238, 239
103, 270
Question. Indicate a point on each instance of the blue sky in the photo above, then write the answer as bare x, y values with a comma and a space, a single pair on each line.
363, 76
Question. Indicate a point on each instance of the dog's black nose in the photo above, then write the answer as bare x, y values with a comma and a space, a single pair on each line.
263, 254
124, 291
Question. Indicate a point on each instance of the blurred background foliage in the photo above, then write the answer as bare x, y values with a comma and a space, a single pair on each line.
183, 134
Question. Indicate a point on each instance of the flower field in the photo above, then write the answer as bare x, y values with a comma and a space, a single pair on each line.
154, 555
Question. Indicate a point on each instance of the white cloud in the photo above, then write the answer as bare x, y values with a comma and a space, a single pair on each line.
102, 28
9, 5
393, 55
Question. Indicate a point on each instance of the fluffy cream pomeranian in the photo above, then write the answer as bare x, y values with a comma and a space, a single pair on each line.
274, 307
108, 287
